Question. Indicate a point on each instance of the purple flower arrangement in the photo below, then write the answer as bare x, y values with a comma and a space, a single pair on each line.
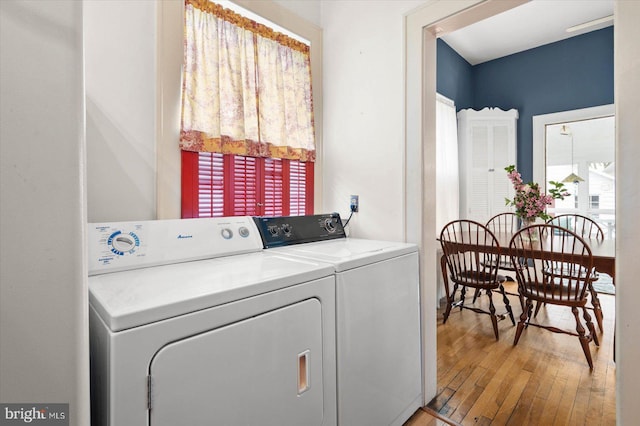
528, 201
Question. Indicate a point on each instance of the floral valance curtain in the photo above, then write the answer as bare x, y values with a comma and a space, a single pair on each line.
246, 88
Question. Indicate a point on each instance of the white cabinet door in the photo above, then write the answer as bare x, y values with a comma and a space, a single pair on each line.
265, 370
487, 142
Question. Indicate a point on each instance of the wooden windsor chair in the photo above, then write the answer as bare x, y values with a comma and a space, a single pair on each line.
506, 223
586, 228
470, 260
564, 251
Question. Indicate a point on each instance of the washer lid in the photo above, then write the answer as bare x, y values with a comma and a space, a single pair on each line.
348, 253
132, 298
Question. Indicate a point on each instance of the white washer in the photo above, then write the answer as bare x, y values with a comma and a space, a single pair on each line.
377, 315
192, 323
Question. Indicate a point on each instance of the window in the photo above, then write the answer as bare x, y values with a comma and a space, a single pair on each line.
247, 127
216, 185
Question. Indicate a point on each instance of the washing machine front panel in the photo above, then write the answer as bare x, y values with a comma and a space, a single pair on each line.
265, 370
378, 341
378, 319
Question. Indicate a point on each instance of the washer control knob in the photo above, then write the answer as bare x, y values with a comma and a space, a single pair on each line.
330, 226
243, 231
273, 230
286, 228
226, 233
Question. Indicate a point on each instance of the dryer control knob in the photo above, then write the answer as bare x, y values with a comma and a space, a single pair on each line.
226, 233
122, 244
243, 231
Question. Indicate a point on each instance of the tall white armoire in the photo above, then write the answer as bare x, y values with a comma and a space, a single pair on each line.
487, 144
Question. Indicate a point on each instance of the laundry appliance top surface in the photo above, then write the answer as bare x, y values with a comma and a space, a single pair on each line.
323, 238
349, 253
132, 298
148, 271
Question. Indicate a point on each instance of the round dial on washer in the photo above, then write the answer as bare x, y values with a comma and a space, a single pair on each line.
330, 226
274, 231
122, 244
243, 231
286, 228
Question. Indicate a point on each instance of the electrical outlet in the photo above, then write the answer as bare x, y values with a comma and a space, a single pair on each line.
354, 203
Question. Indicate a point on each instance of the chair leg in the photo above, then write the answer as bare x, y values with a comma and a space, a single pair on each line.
538, 305
450, 302
505, 299
445, 280
521, 297
447, 311
492, 313
590, 326
597, 309
584, 340
463, 294
526, 313
475, 295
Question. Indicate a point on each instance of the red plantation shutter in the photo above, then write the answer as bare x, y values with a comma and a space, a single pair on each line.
244, 187
297, 186
273, 184
215, 185
210, 185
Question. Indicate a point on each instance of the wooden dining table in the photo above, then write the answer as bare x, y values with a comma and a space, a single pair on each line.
603, 251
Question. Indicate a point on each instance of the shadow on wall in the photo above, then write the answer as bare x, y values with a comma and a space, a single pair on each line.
120, 183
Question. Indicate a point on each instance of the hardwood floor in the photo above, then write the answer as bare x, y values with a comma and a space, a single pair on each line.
544, 380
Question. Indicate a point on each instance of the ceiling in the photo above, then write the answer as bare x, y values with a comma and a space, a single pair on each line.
593, 141
533, 24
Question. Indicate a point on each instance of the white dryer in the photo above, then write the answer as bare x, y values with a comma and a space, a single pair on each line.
377, 315
192, 323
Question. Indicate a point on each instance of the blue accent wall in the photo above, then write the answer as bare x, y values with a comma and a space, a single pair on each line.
454, 76
569, 74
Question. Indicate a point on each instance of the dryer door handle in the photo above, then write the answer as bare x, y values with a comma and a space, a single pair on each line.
303, 372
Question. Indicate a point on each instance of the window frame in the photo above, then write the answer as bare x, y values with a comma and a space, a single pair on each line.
169, 83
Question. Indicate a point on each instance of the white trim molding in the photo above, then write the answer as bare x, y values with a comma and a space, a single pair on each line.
541, 121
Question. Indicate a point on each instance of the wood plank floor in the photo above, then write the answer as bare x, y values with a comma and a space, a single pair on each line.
544, 380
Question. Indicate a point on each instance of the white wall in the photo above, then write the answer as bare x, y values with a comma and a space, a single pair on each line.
309, 9
120, 61
627, 95
364, 113
44, 355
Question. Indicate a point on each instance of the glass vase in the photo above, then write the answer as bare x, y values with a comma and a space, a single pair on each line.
532, 234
